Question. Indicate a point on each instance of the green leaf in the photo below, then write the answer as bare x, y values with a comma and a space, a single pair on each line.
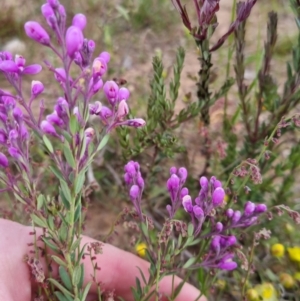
39, 221
190, 229
65, 278
77, 274
66, 191
41, 200
77, 212
79, 182
62, 297
48, 144
69, 156
80, 284
51, 245
86, 291
73, 124
103, 142
61, 288
123, 12
190, 262
58, 260
57, 173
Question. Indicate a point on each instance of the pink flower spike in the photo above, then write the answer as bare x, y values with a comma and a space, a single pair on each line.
9, 66
79, 20
32, 69
123, 109
74, 40
36, 32
36, 88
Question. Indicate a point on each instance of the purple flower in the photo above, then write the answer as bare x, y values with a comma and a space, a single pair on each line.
134, 192
13, 135
230, 241
95, 108
130, 169
226, 263
203, 182
184, 191
9, 66
111, 90
215, 244
218, 196
105, 113
32, 69
18, 114
229, 213
260, 208
123, 94
249, 208
49, 15
54, 119
74, 40
236, 217
36, 88
48, 128
198, 212
53, 3
79, 20
3, 160
173, 170
20, 61
106, 56
187, 204
123, 109
136, 122
36, 32
99, 67
218, 227
14, 152
182, 173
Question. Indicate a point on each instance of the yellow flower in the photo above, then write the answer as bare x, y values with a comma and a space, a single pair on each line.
297, 276
266, 292
286, 280
252, 295
141, 249
277, 250
220, 284
294, 254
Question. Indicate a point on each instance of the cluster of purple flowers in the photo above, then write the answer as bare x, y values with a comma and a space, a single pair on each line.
77, 93
203, 208
135, 183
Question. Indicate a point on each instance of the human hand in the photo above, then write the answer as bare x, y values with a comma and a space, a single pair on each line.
118, 268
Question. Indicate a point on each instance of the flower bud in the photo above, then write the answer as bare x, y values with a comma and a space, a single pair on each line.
252, 295
184, 191
49, 15
140, 181
14, 152
74, 40
134, 192
287, 280
3, 160
36, 88
249, 208
24, 132
97, 86
187, 204
20, 61
217, 184
203, 182
18, 114
136, 122
229, 213
54, 119
36, 32
9, 66
198, 212
173, 170
79, 20
106, 56
218, 196
127, 179
13, 135
48, 128
215, 244
230, 241
105, 113
3, 136
218, 227
32, 69
173, 183
227, 264
260, 208
91, 46
236, 217
182, 173
130, 169
123, 109
123, 94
